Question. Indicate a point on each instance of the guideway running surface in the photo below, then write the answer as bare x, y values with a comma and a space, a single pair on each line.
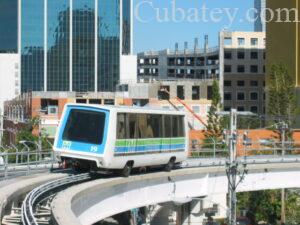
94, 201
13, 192
29, 211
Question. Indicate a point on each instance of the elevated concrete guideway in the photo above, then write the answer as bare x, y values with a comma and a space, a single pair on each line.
91, 202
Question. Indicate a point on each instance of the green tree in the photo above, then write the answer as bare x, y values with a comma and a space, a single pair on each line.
293, 207
282, 104
261, 205
215, 123
26, 134
266, 206
281, 93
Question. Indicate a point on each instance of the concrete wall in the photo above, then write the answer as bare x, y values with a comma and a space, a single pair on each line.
9, 77
128, 69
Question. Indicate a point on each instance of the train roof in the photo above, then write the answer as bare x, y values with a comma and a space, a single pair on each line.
132, 109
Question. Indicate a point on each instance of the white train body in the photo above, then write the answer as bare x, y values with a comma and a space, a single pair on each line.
112, 136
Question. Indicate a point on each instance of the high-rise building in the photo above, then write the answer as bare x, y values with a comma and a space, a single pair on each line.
9, 60
73, 45
260, 24
8, 26
283, 41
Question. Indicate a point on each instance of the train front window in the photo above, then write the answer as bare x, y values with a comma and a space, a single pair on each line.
85, 126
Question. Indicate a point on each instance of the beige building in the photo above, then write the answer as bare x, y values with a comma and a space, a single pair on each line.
242, 68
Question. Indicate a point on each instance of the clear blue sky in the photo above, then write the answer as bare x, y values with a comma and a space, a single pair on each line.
193, 18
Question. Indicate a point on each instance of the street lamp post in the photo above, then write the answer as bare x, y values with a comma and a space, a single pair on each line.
40, 111
28, 154
282, 127
1, 127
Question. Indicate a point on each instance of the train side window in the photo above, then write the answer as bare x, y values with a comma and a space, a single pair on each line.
154, 127
181, 126
175, 132
121, 126
132, 126
142, 126
167, 126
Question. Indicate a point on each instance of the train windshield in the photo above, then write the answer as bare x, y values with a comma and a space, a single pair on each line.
84, 126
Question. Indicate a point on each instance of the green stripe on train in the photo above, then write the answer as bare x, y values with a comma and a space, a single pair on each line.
143, 142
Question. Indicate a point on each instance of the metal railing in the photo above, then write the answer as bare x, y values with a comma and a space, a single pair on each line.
29, 211
208, 149
275, 148
214, 149
15, 160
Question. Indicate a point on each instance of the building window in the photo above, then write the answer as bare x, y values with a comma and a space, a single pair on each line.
227, 96
227, 68
241, 108
254, 41
227, 108
254, 109
163, 95
241, 69
254, 96
264, 69
227, 41
228, 55
195, 93
254, 83
240, 96
241, 41
180, 92
227, 83
209, 92
240, 83
241, 55
254, 55
254, 69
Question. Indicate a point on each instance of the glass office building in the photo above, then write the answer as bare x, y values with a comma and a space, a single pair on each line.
73, 45
260, 24
8, 26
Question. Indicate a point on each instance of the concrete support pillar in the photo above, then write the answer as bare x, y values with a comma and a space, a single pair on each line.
189, 213
161, 217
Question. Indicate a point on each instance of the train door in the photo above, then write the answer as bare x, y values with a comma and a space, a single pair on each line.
167, 133
132, 133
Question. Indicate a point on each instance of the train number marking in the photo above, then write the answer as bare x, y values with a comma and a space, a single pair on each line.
66, 145
94, 149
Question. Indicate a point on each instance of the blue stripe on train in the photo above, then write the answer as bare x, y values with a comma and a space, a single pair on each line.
149, 148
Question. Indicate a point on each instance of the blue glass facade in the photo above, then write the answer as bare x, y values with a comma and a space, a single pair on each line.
83, 45
32, 45
126, 45
9, 26
108, 44
58, 44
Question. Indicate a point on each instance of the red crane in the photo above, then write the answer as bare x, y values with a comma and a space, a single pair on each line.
185, 105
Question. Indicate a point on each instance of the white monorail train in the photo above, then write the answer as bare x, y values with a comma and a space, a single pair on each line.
121, 138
